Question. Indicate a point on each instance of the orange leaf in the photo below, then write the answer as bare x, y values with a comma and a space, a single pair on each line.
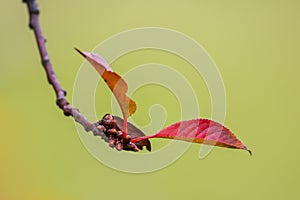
114, 81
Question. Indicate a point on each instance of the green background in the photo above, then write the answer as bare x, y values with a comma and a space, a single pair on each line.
255, 45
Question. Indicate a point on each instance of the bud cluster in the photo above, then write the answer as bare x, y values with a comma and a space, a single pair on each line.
114, 135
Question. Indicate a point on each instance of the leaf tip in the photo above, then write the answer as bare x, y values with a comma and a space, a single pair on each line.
250, 152
80, 52
148, 147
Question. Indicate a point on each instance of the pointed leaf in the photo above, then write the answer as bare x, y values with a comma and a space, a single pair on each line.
199, 131
114, 81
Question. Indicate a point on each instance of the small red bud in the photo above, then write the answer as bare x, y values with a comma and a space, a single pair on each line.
102, 128
112, 143
112, 131
119, 146
126, 139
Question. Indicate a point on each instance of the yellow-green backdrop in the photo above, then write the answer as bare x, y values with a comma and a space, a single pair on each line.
256, 47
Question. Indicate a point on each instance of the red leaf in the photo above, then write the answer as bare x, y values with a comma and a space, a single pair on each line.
199, 131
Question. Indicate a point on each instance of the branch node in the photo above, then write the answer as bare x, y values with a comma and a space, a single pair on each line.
32, 6
96, 131
68, 111
45, 60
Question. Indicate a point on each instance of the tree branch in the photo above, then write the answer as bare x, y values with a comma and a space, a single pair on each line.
61, 100
108, 127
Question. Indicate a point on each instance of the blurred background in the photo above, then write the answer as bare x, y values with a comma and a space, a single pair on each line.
255, 45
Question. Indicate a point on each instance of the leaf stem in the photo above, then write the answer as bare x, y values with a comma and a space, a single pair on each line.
124, 128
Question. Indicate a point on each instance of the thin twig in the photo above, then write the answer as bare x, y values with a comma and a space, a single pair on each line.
61, 100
